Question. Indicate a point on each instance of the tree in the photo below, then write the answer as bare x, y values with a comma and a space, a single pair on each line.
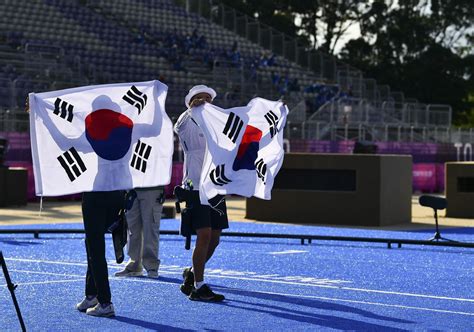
421, 47
319, 24
326, 22
270, 12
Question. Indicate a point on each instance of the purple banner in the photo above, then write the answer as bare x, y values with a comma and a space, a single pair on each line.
421, 152
428, 158
19, 146
424, 178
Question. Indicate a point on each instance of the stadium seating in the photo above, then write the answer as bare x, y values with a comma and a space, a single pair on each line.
53, 44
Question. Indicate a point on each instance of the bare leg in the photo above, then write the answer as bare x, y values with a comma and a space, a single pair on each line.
201, 252
215, 237
206, 243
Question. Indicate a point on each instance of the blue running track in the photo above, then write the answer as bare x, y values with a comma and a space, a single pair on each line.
269, 284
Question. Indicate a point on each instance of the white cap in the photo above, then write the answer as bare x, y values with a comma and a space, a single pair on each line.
199, 89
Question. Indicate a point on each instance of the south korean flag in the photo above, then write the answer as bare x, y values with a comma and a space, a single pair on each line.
100, 138
244, 148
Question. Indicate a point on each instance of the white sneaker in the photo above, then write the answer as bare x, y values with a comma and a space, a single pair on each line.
100, 311
128, 273
86, 304
152, 274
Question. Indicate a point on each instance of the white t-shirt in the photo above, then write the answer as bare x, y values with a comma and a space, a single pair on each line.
193, 144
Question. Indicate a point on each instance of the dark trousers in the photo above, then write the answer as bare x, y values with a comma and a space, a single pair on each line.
99, 210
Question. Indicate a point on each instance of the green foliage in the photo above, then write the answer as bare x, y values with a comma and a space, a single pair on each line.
423, 48
415, 48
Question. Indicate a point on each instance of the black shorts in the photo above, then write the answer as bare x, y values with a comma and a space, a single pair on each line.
204, 216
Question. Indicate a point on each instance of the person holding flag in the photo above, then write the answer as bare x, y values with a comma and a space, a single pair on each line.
206, 221
100, 140
99, 209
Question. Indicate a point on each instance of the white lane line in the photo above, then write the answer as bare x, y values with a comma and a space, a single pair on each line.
46, 262
50, 282
45, 282
286, 252
355, 301
280, 282
144, 280
47, 273
348, 288
267, 276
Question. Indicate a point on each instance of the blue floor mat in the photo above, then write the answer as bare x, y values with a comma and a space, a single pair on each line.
269, 284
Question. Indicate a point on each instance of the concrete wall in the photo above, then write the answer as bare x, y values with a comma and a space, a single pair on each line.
460, 189
340, 189
13, 186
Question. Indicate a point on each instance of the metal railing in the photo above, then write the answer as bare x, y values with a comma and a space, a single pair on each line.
398, 109
319, 130
14, 121
323, 65
302, 237
375, 105
18, 121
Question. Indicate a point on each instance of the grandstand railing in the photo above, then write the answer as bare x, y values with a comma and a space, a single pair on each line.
16, 120
369, 89
344, 109
439, 115
236, 81
297, 113
367, 105
351, 81
8, 92
324, 66
302, 237
37, 68
317, 130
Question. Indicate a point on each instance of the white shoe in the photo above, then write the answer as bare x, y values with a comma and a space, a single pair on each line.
152, 274
86, 304
128, 273
100, 311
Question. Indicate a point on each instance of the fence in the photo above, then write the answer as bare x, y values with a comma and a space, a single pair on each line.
398, 110
321, 130
17, 121
323, 65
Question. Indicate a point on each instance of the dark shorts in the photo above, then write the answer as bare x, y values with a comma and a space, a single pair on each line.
204, 216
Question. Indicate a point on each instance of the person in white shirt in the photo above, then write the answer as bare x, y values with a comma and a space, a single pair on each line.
207, 222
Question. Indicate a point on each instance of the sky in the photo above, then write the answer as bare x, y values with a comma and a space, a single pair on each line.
352, 33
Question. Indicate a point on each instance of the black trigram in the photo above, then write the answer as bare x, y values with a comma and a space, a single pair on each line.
72, 164
140, 156
218, 177
135, 98
63, 109
233, 127
272, 120
261, 169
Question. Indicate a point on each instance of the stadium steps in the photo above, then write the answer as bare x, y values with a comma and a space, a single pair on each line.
159, 14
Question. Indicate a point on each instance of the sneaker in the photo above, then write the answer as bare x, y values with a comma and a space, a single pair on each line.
205, 293
88, 302
102, 310
188, 277
128, 273
152, 274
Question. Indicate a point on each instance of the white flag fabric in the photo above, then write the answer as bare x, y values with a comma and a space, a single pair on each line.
101, 138
244, 148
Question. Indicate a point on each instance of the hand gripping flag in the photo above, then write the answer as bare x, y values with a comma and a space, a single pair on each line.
100, 138
244, 148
